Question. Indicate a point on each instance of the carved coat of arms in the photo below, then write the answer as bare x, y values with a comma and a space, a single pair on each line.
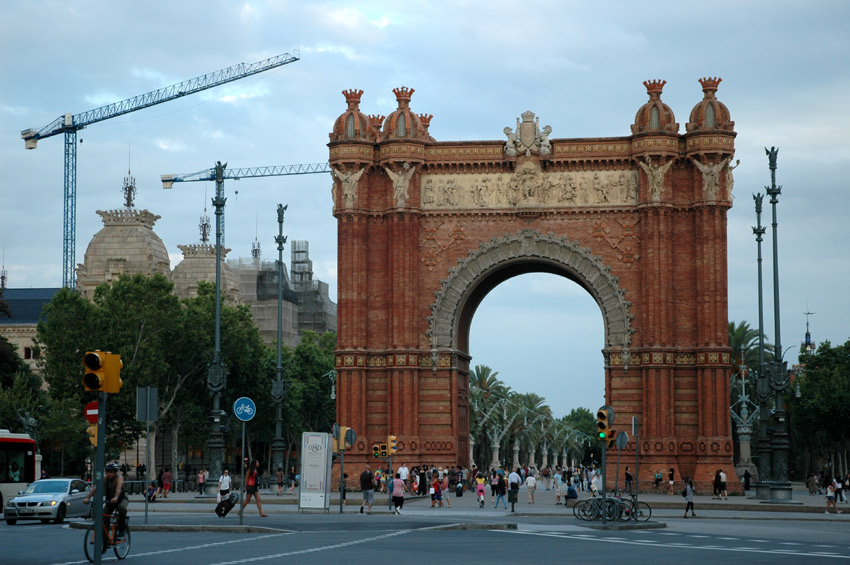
528, 137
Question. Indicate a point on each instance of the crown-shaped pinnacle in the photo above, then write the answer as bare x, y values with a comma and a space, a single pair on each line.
403, 93
654, 86
709, 84
425, 119
352, 95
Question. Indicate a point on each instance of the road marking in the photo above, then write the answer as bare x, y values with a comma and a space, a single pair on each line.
677, 545
316, 549
189, 548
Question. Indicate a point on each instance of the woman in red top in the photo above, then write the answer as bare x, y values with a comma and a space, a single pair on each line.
436, 496
252, 488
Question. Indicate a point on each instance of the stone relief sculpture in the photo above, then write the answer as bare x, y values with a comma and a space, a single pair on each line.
730, 178
401, 181
710, 176
349, 184
528, 137
655, 173
528, 187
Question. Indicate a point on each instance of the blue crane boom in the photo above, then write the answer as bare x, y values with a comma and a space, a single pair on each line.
70, 124
236, 174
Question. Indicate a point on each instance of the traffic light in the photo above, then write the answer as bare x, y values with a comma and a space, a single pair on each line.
392, 443
92, 432
376, 450
603, 423
113, 373
95, 366
612, 439
384, 450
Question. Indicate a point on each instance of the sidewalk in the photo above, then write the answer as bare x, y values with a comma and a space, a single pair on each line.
804, 506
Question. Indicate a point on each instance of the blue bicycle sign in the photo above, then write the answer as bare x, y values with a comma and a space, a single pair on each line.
244, 408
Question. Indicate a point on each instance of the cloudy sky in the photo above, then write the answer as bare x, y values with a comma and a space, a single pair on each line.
476, 66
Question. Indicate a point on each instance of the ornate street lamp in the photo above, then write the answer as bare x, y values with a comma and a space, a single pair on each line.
217, 374
279, 384
780, 490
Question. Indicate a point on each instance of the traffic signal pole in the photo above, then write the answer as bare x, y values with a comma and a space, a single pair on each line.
604, 509
100, 454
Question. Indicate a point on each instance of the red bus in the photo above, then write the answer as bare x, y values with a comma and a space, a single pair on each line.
17, 464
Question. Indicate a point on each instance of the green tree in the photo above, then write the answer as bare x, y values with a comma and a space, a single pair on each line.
820, 422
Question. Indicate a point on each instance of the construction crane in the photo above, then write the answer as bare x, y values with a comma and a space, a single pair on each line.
70, 124
236, 174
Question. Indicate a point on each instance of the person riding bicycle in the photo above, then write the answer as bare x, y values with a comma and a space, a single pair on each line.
116, 499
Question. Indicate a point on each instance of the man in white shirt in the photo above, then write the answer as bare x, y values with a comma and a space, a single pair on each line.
224, 484
514, 480
404, 473
531, 485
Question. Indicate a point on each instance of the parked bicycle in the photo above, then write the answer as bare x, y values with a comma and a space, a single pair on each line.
119, 543
617, 508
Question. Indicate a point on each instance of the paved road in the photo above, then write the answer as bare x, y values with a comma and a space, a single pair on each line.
727, 531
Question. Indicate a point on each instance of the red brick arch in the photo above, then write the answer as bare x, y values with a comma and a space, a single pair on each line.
427, 228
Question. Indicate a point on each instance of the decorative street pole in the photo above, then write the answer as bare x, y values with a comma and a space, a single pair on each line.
279, 384
762, 385
217, 375
781, 488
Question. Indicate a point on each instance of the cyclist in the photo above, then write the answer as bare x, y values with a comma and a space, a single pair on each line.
116, 499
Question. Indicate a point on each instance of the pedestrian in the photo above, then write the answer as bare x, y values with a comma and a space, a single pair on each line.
201, 480
344, 487
514, 479
547, 471
811, 482
723, 486
224, 482
747, 478
501, 491
291, 478
423, 479
436, 496
152, 492
446, 488
480, 489
558, 484
629, 480
531, 486
671, 478
278, 476
830, 497
159, 483
252, 488
397, 490
689, 497
494, 485
404, 473
367, 485
658, 477
166, 482
716, 485
839, 490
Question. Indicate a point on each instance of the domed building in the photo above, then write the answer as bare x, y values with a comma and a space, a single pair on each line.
127, 244
198, 264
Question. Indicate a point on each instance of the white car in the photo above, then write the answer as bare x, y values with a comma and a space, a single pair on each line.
49, 499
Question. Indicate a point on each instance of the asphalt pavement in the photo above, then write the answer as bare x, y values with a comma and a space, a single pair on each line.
465, 510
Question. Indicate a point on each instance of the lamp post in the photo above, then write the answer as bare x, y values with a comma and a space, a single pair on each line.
217, 374
279, 384
780, 490
762, 392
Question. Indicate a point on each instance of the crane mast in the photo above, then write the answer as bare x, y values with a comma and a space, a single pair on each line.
70, 124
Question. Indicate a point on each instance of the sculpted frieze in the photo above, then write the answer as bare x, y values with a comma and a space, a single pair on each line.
529, 187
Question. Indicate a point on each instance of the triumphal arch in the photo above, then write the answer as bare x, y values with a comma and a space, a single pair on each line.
427, 228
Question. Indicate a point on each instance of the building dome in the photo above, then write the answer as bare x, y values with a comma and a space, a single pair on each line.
198, 264
127, 244
710, 114
655, 115
352, 125
402, 123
